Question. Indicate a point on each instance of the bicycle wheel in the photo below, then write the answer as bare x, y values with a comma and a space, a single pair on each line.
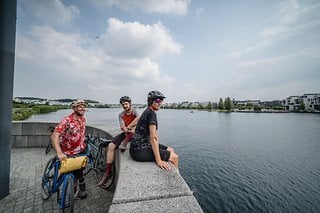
67, 200
49, 146
89, 165
100, 169
47, 179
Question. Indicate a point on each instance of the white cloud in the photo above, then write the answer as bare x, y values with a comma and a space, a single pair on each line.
122, 59
50, 12
257, 76
135, 40
178, 7
291, 19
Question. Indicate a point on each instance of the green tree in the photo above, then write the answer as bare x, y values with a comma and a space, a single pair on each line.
221, 104
209, 106
257, 108
228, 104
249, 106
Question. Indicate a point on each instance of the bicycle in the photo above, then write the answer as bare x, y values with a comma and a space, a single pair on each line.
49, 146
96, 147
52, 182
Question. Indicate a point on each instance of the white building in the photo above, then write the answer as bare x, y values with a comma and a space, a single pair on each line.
293, 103
310, 101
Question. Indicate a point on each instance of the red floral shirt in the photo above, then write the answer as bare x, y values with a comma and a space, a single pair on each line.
72, 134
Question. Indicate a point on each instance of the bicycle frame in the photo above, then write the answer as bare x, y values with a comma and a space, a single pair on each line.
58, 180
96, 154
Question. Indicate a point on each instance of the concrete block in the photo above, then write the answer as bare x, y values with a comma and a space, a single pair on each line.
174, 205
140, 181
41, 141
42, 128
29, 128
31, 140
16, 128
19, 141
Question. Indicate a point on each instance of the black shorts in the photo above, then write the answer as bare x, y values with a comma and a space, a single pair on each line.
146, 153
118, 139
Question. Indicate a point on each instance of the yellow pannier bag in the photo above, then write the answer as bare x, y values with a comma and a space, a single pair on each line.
71, 164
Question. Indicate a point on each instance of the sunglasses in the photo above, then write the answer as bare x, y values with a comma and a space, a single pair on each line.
158, 100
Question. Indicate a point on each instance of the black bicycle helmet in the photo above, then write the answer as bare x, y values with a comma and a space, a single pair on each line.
153, 95
125, 99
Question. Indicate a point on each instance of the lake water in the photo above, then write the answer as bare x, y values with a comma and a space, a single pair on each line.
238, 162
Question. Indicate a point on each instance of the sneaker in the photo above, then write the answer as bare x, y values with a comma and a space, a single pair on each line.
79, 195
103, 180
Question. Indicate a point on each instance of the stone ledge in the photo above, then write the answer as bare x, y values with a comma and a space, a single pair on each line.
177, 204
144, 187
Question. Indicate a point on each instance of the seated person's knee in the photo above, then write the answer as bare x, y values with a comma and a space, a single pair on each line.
173, 157
111, 146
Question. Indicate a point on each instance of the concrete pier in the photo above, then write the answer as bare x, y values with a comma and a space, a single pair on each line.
139, 187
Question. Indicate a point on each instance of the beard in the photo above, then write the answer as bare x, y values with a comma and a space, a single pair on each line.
78, 113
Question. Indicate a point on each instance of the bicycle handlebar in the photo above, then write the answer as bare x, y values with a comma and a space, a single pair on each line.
51, 129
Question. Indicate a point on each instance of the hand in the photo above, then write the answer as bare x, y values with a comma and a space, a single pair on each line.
62, 156
164, 165
125, 129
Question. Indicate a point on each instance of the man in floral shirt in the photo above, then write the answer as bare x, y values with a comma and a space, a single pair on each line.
71, 132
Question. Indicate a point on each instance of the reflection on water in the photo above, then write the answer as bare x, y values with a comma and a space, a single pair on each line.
237, 162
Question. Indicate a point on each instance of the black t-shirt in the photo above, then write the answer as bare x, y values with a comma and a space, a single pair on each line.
141, 137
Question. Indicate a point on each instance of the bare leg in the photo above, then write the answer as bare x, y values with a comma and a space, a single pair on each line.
110, 157
174, 159
110, 152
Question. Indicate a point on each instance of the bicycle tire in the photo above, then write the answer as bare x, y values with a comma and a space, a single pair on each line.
48, 148
47, 179
90, 164
67, 200
100, 168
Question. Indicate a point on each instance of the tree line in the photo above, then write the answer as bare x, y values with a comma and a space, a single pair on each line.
22, 111
226, 105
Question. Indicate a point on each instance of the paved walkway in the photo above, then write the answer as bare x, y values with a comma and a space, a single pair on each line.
27, 166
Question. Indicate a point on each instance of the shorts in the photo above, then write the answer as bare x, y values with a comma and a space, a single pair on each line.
145, 154
118, 139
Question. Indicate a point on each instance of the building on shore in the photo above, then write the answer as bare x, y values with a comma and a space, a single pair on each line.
308, 102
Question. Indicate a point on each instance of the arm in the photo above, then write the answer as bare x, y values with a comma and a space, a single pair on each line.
133, 124
122, 124
56, 145
155, 148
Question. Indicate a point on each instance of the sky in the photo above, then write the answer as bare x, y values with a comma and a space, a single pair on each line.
190, 50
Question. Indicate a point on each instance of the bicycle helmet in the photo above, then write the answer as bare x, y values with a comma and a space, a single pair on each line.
153, 95
125, 99
78, 103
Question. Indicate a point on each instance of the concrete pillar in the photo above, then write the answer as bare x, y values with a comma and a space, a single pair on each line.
8, 10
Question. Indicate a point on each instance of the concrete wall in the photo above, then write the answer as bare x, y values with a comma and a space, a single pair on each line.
36, 134
140, 187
